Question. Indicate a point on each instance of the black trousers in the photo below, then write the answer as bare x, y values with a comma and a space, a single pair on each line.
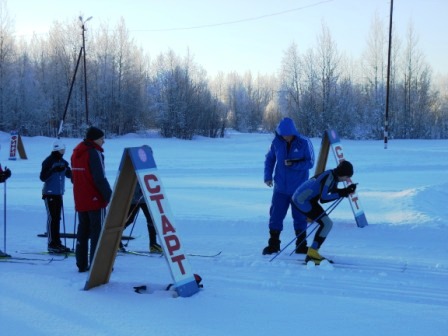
318, 214
89, 228
53, 204
133, 211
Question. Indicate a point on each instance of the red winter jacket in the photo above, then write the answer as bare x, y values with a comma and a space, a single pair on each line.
90, 187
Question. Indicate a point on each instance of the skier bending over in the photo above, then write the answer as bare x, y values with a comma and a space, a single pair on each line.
323, 188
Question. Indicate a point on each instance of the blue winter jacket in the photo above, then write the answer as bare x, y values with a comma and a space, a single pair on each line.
53, 173
322, 187
288, 177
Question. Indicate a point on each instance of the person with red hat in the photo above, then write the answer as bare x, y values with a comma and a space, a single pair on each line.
92, 193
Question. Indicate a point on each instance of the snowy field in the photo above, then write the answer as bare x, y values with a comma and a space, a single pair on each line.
392, 277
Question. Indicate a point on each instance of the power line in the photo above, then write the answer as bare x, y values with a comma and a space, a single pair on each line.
225, 23
234, 21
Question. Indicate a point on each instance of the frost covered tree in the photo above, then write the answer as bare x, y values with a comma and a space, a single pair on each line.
181, 100
373, 78
7, 67
415, 94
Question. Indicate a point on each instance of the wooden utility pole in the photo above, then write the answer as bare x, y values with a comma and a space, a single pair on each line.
386, 121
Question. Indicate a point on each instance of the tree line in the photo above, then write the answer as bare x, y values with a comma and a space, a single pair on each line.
319, 88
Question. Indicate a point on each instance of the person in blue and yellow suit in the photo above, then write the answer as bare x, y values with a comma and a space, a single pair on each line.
322, 188
286, 167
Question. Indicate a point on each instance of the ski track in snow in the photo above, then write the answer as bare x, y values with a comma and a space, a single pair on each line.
391, 277
389, 281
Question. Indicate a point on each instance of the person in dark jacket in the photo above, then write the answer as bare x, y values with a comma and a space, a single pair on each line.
4, 175
289, 159
137, 203
323, 188
53, 173
92, 194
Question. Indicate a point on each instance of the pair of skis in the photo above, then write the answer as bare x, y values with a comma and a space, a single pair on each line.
158, 255
64, 256
29, 261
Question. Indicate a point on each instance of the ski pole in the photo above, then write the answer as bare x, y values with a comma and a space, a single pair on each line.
63, 221
292, 241
326, 212
132, 229
135, 208
309, 234
4, 217
74, 232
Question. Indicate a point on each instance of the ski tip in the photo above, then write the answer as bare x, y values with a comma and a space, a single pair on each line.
310, 264
326, 264
140, 289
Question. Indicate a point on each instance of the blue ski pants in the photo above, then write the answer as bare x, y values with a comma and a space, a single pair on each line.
279, 208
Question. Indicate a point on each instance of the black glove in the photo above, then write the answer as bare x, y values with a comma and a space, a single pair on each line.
60, 168
345, 192
352, 188
4, 175
290, 162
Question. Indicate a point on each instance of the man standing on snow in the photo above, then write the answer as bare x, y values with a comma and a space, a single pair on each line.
53, 173
323, 188
92, 193
289, 159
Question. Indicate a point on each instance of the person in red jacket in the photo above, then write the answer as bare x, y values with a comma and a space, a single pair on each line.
92, 194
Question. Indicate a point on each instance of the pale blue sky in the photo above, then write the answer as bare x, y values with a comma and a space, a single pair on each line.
258, 40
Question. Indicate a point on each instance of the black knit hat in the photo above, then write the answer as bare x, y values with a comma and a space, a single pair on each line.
344, 168
94, 133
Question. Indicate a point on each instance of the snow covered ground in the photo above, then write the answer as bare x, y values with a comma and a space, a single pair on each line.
392, 280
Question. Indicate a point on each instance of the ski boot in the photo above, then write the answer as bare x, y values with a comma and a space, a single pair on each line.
273, 243
155, 248
314, 256
301, 247
121, 248
4, 254
57, 248
64, 248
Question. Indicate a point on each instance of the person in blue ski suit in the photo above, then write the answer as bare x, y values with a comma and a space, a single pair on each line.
324, 188
53, 173
286, 166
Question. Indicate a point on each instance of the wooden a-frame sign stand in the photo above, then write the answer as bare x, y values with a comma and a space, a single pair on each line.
138, 166
16, 145
331, 140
